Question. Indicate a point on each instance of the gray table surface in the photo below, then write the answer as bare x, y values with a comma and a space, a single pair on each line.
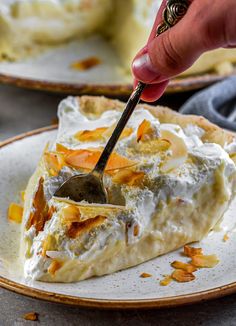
24, 110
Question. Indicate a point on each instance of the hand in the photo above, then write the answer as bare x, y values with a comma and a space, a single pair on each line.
207, 25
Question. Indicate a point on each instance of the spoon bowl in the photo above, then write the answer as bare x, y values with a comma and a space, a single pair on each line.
87, 187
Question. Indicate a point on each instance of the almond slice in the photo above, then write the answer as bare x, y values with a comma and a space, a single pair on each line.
166, 281
87, 159
179, 152
191, 251
182, 276
128, 177
54, 266
15, 213
207, 261
186, 267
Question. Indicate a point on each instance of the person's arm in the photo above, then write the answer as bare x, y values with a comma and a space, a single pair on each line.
207, 25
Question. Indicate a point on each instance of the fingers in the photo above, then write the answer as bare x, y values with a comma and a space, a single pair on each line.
153, 92
204, 27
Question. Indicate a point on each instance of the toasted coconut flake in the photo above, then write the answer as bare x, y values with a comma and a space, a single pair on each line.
87, 159
51, 211
100, 133
144, 129
182, 276
180, 201
233, 157
186, 267
158, 145
48, 244
85, 64
226, 237
145, 275
125, 133
62, 149
207, 261
22, 195
77, 228
178, 149
71, 213
128, 177
166, 280
191, 251
136, 230
54, 162
33, 316
39, 214
54, 266
90, 135
15, 213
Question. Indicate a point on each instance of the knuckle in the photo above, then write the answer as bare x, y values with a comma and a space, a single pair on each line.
167, 58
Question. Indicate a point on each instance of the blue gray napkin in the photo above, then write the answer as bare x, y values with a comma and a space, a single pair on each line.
216, 103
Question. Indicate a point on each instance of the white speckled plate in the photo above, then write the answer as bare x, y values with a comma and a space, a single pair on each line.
125, 289
51, 71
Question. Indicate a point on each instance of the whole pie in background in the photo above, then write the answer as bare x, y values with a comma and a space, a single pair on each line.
28, 27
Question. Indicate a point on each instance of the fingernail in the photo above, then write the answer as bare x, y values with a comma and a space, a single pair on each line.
143, 68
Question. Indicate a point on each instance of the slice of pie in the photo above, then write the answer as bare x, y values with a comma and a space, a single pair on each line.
169, 182
27, 27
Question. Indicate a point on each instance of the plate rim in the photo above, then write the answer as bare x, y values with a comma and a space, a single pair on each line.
181, 84
167, 302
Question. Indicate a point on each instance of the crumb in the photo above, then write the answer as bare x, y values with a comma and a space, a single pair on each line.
145, 275
33, 316
180, 275
85, 64
225, 237
166, 281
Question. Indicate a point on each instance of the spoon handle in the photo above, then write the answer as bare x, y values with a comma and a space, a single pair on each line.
174, 11
131, 104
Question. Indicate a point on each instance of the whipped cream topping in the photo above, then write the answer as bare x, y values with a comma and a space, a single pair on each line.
139, 204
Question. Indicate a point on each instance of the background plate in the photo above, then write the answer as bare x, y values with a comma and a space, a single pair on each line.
51, 71
125, 289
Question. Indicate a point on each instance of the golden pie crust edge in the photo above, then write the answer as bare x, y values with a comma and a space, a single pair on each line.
213, 134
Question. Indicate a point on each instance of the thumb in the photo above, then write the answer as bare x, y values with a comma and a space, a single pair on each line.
176, 49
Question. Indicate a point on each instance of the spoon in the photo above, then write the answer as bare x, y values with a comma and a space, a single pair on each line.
90, 186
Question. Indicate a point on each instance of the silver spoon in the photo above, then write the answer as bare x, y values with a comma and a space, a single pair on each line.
90, 186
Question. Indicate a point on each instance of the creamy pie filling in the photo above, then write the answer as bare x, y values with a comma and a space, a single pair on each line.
166, 188
29, 26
